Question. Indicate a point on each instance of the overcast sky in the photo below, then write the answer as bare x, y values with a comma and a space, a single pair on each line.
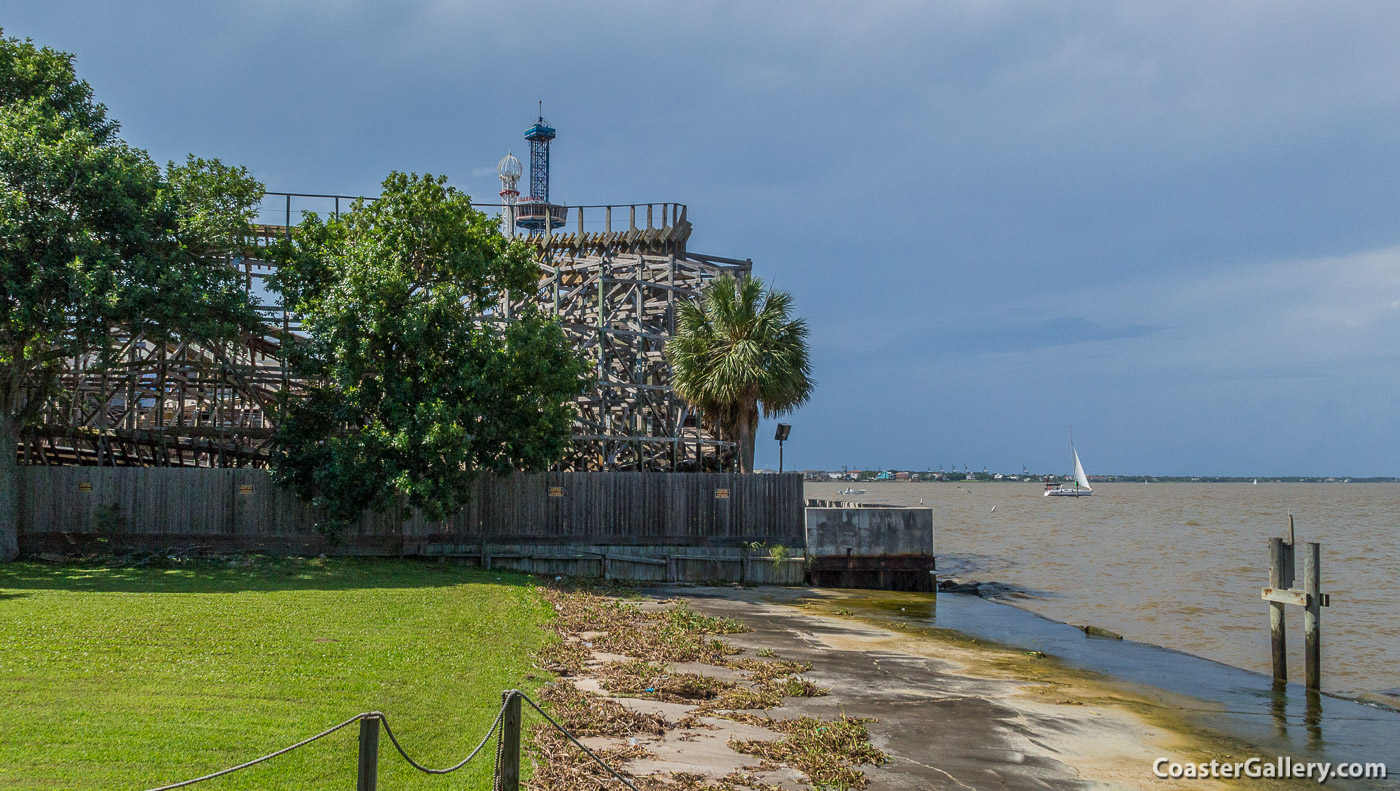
1174, 225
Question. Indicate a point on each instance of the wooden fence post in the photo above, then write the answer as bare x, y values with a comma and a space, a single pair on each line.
1312, 635
1278, 639
509, 770
368, 776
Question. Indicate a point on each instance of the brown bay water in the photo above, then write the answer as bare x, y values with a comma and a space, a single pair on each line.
1180, 565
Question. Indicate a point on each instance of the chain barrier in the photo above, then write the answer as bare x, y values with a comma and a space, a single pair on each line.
495, 726
269, 756
456, 766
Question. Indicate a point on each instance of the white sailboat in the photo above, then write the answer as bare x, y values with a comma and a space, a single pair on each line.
1081, 487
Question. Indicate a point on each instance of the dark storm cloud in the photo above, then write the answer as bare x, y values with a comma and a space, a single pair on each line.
1112, 208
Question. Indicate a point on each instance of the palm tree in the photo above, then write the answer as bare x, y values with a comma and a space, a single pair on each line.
736, 349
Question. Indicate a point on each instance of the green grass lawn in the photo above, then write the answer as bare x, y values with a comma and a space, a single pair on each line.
125, 678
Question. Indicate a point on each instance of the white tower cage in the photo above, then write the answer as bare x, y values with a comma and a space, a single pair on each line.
510, 171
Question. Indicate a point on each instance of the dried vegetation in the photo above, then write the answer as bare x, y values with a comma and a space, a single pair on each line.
827, 751
653, 681
674, 634
584, 714
653, 639
560, 766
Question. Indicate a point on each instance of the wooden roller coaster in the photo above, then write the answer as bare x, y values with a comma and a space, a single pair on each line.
615, 291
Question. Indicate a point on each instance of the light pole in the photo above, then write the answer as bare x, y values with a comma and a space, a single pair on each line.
784, 430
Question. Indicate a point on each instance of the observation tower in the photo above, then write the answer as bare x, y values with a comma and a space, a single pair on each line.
531, 211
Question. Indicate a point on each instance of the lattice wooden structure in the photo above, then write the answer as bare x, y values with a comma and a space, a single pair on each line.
615, 292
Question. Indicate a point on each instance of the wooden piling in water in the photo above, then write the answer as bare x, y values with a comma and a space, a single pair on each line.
1312, 633
1310, 597
1278, 639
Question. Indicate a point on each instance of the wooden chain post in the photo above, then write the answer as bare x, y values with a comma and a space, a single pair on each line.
367, 779
509, 769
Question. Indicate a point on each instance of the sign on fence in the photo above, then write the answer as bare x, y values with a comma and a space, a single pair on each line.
556, 491
721, 494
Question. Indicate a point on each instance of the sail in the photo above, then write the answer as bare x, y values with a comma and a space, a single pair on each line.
1079, 476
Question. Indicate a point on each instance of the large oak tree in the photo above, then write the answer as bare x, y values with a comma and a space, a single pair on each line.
95, 236
419, 381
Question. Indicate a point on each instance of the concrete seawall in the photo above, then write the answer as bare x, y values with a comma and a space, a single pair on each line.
882, 548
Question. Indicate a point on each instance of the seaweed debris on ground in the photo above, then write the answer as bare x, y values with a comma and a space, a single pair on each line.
651, 681
585, 714
630, 649
673, 634
559, 765
827, 751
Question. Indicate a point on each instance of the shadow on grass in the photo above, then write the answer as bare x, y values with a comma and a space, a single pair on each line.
253, 573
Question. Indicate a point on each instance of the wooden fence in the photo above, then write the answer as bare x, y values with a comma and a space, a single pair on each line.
241, 509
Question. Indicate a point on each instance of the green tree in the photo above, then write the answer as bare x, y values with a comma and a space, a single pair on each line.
419, 381
737, 349
94, 236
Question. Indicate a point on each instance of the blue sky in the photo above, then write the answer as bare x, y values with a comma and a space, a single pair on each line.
1174, 225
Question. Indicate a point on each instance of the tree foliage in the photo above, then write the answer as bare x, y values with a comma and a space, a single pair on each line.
737, 349
93, 235
419, 381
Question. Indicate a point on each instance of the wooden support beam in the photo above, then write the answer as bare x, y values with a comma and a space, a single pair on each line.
1285, 596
